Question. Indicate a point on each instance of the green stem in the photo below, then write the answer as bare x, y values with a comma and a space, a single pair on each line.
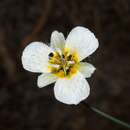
113, 119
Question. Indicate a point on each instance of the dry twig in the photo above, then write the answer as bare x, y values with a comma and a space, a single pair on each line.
9, 64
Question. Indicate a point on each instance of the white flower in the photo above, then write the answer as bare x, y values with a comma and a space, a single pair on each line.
61, 63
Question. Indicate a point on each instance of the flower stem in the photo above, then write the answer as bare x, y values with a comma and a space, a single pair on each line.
113, 119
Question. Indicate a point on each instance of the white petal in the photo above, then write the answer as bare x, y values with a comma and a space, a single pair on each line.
35, 57
72, 91
45, 79
86, 69
57, 40
83, 41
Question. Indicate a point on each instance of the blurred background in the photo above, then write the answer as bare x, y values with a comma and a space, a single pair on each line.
23, 105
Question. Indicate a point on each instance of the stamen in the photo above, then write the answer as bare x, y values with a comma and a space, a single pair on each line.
55, 65
63, 64
71, 62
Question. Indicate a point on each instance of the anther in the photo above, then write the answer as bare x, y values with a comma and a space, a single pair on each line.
69, 57
67, 71
63, 56
60, 68
51, 54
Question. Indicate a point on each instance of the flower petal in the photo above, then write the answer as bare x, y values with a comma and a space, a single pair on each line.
45, 79
35, 57
83, 41
86, 69
57, 40
73, 90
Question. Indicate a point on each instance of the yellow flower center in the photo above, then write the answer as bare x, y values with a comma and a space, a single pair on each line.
63, 63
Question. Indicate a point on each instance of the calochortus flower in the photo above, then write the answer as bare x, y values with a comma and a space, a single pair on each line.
61, 63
